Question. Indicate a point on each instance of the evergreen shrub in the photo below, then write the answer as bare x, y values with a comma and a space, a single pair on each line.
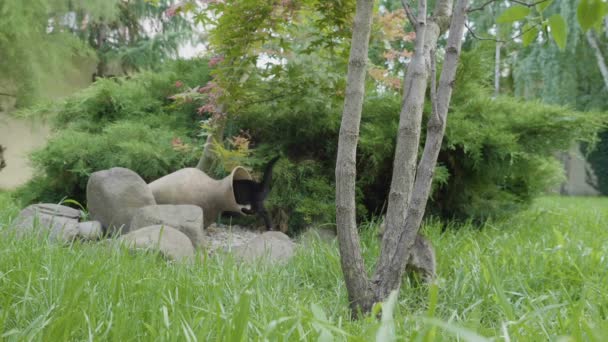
498, 154
125, 122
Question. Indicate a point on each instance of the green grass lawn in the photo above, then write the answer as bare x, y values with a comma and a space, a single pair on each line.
540, 276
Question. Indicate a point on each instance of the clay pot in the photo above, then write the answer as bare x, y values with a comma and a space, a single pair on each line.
193, 186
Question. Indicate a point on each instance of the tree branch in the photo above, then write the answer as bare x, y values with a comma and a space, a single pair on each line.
499, 40
358, 286
601, 62
434, 86
8, 95
519, 2
523, 3
408, 11
392, 262
480, 8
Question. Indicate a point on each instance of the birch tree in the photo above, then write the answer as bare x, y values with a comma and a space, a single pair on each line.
411, 181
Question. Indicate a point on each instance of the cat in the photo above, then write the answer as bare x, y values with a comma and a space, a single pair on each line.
252, 194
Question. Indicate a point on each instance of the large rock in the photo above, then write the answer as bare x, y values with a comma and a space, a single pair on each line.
186, 218
276, 246
172, 243
114, 195
59, 222
90, 230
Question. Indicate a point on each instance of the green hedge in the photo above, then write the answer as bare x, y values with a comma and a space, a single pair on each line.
127, 122
497, 154
496, 157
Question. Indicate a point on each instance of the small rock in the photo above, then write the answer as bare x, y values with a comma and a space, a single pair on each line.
59, 221
172, 243
186, 218
90, 230
277, 246
113, 196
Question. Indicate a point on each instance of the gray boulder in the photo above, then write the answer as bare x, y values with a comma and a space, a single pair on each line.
275, 246
172, 243
114, 195
188, 219
90, 230
58, 221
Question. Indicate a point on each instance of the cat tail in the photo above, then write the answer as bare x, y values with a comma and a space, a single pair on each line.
268, 175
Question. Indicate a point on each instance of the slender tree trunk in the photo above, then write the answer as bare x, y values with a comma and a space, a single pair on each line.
208, 157
390, 269
401, 229
358, 286
102, 64
410, 122
601, 62
497, 69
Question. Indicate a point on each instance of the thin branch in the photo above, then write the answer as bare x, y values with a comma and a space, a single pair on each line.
6, 94
523, 3
434, 86
481, 7
519, 2
499, 40
476, 36
408, 11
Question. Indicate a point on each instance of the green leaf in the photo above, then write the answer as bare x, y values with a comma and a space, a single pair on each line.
529, 34
543, 5
318, 313
589, 13
559, 30
513, 13
386, 331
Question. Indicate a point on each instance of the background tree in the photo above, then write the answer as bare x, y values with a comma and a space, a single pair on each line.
537, 67
42, 41
36, 41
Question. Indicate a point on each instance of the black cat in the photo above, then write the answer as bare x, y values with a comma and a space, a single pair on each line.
252, 193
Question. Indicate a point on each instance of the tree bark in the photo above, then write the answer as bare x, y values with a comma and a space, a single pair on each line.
357, 284
401, 226
390, 269
497, 70
410, 122
601, 62
208, 157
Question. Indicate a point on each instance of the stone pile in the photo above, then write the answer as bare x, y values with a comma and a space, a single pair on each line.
122, 206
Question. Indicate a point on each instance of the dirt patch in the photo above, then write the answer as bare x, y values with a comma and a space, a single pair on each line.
20, 137
226, 237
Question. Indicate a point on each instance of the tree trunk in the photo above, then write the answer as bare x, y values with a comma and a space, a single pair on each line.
208, 157
497, 70
401, 229
601, 62
357, 284
388, 276
410, 121
102, 63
